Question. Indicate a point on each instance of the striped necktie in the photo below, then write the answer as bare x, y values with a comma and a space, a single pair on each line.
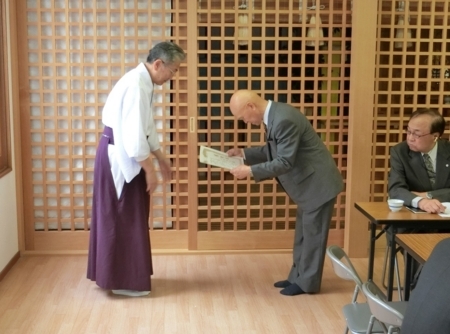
429, 166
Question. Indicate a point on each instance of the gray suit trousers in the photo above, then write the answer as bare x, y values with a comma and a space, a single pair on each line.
310, 243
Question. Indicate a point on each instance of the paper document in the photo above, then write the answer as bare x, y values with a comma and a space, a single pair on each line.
217, 158
445, 214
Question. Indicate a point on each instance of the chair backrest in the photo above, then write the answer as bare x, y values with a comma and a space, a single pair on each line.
381, 309
344, 268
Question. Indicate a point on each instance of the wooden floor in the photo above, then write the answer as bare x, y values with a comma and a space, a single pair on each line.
225, 293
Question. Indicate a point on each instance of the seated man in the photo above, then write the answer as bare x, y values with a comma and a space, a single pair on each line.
429, 306
420, 165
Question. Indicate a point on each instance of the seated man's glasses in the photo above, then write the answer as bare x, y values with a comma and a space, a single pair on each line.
415, 135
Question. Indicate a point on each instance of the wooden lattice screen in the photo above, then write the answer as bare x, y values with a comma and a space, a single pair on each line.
413, 71
263, 46
73, 52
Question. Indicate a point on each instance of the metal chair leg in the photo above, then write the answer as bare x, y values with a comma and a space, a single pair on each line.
399, 287
383, 274
397, 270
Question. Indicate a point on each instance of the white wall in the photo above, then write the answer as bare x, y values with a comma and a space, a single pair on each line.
9, 244
9, 240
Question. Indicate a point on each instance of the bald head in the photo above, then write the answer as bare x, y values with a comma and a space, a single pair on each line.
248, 106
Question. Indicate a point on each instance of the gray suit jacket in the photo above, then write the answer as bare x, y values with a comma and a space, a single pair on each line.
297, 157
428, 309
408, 173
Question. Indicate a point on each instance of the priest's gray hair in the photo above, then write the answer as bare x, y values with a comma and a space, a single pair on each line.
168, 52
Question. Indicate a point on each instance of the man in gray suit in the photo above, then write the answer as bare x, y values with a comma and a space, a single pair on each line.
295, 155
420, 168
409, 178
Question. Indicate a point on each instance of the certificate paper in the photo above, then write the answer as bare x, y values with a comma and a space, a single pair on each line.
217, 158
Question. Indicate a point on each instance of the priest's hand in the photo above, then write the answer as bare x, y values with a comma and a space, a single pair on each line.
166, 170
150, 175
152, 181
164, 165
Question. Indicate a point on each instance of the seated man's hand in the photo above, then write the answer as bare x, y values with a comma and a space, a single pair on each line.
431, 205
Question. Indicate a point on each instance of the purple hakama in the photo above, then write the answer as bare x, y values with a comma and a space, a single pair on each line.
119, 246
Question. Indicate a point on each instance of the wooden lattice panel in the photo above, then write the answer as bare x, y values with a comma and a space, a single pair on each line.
75, 53
262, 45
413, 71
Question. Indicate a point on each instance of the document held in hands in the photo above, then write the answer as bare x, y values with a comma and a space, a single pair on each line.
217, 158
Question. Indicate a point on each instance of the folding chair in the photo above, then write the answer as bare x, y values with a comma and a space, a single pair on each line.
388, 314
357, 315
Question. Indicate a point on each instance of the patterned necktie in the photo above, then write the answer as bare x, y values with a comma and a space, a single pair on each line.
429, 166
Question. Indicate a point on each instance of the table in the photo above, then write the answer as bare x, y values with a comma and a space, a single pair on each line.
379, 214
419, 248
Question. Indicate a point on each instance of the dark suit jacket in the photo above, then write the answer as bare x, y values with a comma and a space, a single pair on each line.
408, 173
297, 157
428, 309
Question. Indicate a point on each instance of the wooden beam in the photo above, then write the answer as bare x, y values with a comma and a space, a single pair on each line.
362, 78
251, 240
